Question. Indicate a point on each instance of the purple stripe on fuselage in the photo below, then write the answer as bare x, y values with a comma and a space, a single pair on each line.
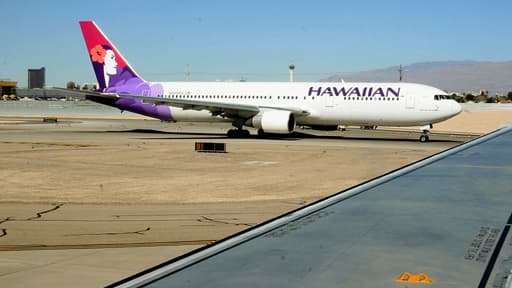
162, 112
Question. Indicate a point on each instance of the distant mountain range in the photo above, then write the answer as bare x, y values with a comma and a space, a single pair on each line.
451, 76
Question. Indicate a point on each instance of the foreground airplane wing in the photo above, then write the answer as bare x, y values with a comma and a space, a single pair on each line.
440, 222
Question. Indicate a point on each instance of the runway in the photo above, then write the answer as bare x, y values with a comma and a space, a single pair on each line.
74, 190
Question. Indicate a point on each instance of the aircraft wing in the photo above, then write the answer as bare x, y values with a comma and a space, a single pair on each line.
216, 108
440, 222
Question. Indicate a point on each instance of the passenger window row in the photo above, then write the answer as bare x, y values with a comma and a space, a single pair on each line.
176, 96
372, 98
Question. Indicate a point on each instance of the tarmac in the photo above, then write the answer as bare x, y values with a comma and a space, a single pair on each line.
87, 202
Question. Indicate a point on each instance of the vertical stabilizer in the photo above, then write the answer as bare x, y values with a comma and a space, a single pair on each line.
113, 72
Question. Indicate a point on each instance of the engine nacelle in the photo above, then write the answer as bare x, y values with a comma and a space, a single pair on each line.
273, 121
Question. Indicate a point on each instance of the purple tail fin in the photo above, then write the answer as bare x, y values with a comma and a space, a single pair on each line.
113, 72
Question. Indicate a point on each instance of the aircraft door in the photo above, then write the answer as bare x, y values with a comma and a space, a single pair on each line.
331, 102
409, 102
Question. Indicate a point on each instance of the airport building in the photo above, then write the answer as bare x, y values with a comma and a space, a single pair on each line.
48, 94
36, 78
36, 88
7, 89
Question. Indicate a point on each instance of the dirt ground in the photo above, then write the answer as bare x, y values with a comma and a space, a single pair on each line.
480, 122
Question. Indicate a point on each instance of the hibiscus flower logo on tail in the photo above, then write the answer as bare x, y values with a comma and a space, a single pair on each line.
98, 54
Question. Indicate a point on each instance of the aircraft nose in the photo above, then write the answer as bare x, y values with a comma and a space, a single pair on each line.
456, 107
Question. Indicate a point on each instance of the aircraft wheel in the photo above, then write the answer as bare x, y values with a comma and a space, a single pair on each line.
232, 133
424, 138
235, 133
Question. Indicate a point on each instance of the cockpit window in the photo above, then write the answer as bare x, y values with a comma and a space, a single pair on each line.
442, 97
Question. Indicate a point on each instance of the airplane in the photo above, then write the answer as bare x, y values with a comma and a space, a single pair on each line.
270, 107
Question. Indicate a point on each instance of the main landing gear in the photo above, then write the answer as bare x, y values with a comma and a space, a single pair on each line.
238, 133
424, 134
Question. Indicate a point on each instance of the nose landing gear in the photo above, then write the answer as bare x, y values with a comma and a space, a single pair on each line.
424, 134
424, 138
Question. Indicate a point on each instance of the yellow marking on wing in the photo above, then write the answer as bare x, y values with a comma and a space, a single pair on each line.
414, 278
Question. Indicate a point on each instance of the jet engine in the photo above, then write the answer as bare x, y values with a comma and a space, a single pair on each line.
273, 121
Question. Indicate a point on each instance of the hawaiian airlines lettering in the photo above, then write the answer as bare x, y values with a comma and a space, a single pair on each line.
354, 91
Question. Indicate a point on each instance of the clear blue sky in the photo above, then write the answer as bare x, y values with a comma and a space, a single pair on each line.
257, 40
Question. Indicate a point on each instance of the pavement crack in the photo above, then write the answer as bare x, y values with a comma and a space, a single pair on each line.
141, 232
299, 203
138, 232
3, 231
40, 214
5, 220
211, 220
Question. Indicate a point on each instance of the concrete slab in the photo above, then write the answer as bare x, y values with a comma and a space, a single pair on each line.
74, 189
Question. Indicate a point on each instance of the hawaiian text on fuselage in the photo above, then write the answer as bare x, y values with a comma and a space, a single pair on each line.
354, 91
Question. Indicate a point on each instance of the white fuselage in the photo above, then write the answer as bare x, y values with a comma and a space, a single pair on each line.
270, 107
384, 104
